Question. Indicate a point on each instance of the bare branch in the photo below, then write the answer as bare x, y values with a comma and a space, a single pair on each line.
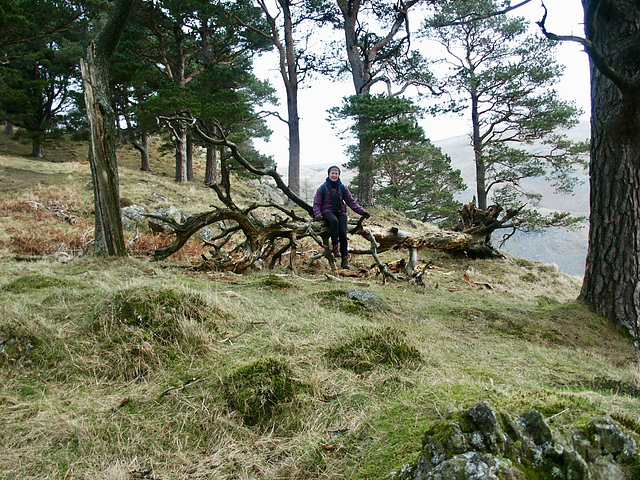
625, 85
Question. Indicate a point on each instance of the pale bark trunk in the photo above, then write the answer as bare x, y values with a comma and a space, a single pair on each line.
481, 168
190, 176
145, 163
37, 150
143, 149
181, 154
109, 236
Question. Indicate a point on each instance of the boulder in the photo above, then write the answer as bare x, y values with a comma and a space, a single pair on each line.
171, 212
480, 444
132, 216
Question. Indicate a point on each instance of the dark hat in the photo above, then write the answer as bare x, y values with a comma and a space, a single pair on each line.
332, 167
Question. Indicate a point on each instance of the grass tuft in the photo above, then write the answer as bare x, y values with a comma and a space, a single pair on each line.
34, 281
145, 328
17, 345
273, 282
257, 389
373, 347
158, 310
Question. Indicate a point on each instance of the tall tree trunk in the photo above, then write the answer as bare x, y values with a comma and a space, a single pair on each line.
289, 72
612, 276
181, 154
8, 127
481, 168
109, 237
190, 176
361, 63
361, 77
365, 172
143, 149
37, 149
211, 169
145, 163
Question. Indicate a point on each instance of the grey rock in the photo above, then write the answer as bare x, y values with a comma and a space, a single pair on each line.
576, 467
606, 432
132, 216
484, 419
484, 445
536, 427
266, 193
368, 299
170, 212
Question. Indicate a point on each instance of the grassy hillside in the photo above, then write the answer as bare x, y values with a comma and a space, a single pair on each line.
118, 369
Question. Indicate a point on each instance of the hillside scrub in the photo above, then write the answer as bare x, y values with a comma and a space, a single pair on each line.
91, 392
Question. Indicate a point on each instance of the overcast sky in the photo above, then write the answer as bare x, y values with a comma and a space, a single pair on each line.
319, 142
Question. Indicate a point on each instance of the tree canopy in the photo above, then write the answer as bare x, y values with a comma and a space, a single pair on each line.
503, 78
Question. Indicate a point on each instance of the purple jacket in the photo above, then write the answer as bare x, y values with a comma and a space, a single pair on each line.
323, 205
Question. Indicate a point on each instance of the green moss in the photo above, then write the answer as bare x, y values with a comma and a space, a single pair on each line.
143, 329
273, 282
16, 347
27, 345
34, 281
373, 347
257, 389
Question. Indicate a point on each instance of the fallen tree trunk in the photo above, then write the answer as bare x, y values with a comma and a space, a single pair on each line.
260, 238
471, 236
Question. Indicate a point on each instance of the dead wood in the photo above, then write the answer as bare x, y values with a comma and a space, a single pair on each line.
274, 239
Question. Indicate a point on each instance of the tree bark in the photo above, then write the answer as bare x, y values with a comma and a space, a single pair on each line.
145, 162
109, 236
8, 127
180, 132
362, 56
612, 276
190, 175
289, 72
37, 150
481, 168
211, 169
143, 148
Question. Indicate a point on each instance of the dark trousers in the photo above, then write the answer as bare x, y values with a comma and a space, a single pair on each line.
338, 230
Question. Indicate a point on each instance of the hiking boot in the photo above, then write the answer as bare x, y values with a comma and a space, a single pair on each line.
344, 263
336, 250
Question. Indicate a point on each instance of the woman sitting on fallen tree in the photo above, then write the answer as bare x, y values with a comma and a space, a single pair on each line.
329, 204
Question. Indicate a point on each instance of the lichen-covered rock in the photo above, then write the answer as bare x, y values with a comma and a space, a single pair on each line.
132, 216
474, 466
366, 298
487, 425
537, 428
171, 213
480, 444
606, 433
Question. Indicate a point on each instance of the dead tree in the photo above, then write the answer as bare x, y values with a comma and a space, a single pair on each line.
273, 238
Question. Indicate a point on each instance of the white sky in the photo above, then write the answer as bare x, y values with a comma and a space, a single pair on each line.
320, 143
